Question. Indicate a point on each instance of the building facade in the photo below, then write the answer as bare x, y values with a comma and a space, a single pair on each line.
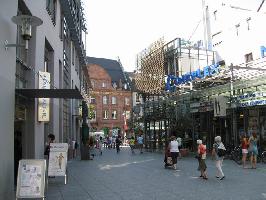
53, 60
110, 97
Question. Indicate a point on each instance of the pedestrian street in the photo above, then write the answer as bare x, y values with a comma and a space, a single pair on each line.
127, 176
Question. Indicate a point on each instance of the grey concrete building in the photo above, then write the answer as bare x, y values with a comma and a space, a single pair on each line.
55, 49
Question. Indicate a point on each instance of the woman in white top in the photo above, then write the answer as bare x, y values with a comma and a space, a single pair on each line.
173, 146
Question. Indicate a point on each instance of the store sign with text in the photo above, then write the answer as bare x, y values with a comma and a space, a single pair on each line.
44, 103
251, 99
172, 81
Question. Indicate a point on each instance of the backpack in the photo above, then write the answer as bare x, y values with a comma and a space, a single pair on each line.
221, 151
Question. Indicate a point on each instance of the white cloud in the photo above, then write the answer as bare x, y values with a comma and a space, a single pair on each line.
125, 27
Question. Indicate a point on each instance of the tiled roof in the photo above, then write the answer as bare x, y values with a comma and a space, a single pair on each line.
112, 67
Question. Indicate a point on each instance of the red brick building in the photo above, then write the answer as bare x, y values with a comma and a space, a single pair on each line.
111, 98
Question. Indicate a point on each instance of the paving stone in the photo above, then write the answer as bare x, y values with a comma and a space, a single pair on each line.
124, 176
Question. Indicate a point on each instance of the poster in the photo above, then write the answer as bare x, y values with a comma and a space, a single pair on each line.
57, 159
31, 179
220, 106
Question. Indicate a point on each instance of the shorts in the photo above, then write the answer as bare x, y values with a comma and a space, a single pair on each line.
244, 151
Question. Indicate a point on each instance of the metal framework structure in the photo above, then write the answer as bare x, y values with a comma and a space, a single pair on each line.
150, 68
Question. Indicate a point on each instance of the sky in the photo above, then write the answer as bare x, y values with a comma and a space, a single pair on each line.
123, 28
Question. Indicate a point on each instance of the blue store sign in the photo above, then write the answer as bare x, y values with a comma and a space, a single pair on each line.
173, 81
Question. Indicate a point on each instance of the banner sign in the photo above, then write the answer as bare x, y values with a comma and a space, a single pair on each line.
57, 159
172, 81
250, 99
44, 103
201, 106
31, 179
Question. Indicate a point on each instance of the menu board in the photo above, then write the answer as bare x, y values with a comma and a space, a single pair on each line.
57, 159
31, 179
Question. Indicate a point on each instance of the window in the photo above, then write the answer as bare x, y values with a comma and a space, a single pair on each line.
92, 100
248, 57
51, 9
126, 101
127, 114
103, 84
114, 114
113, 100
105, 114
105, 100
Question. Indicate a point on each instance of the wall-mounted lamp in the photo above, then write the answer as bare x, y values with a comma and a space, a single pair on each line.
26, 22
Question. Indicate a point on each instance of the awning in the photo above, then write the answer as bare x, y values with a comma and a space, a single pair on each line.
50, 93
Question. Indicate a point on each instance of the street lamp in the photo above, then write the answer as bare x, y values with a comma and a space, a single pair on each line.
26, 22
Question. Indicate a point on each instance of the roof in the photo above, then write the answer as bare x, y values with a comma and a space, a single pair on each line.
113, 68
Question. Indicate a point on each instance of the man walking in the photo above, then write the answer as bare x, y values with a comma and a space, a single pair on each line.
140, 143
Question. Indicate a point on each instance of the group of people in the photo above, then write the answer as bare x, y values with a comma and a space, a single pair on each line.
218, 152
249, 146
136, 143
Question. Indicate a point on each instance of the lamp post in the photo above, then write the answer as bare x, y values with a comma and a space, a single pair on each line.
26, 22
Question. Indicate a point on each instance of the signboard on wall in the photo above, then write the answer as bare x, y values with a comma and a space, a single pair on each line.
31, 179
220, 106
44, 103
57, 159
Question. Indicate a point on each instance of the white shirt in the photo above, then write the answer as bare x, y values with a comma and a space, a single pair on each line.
174, 146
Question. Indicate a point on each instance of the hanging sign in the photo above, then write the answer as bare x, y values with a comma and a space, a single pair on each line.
57, 159
44, 103
220, 106
31, 179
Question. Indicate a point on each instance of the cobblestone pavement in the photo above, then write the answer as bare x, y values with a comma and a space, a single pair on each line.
125, 176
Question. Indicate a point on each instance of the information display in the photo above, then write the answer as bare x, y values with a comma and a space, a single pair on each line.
31, 179
57, 159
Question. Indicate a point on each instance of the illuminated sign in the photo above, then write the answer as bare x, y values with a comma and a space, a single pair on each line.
172, 81
44, 103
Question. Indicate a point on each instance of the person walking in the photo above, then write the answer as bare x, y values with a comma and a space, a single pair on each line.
253, 150
174, 151
201, 159
100, 145
117, 143
244, 147
132, 144
218, 152
140, 143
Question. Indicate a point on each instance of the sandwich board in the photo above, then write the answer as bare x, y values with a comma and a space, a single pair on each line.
31, 179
